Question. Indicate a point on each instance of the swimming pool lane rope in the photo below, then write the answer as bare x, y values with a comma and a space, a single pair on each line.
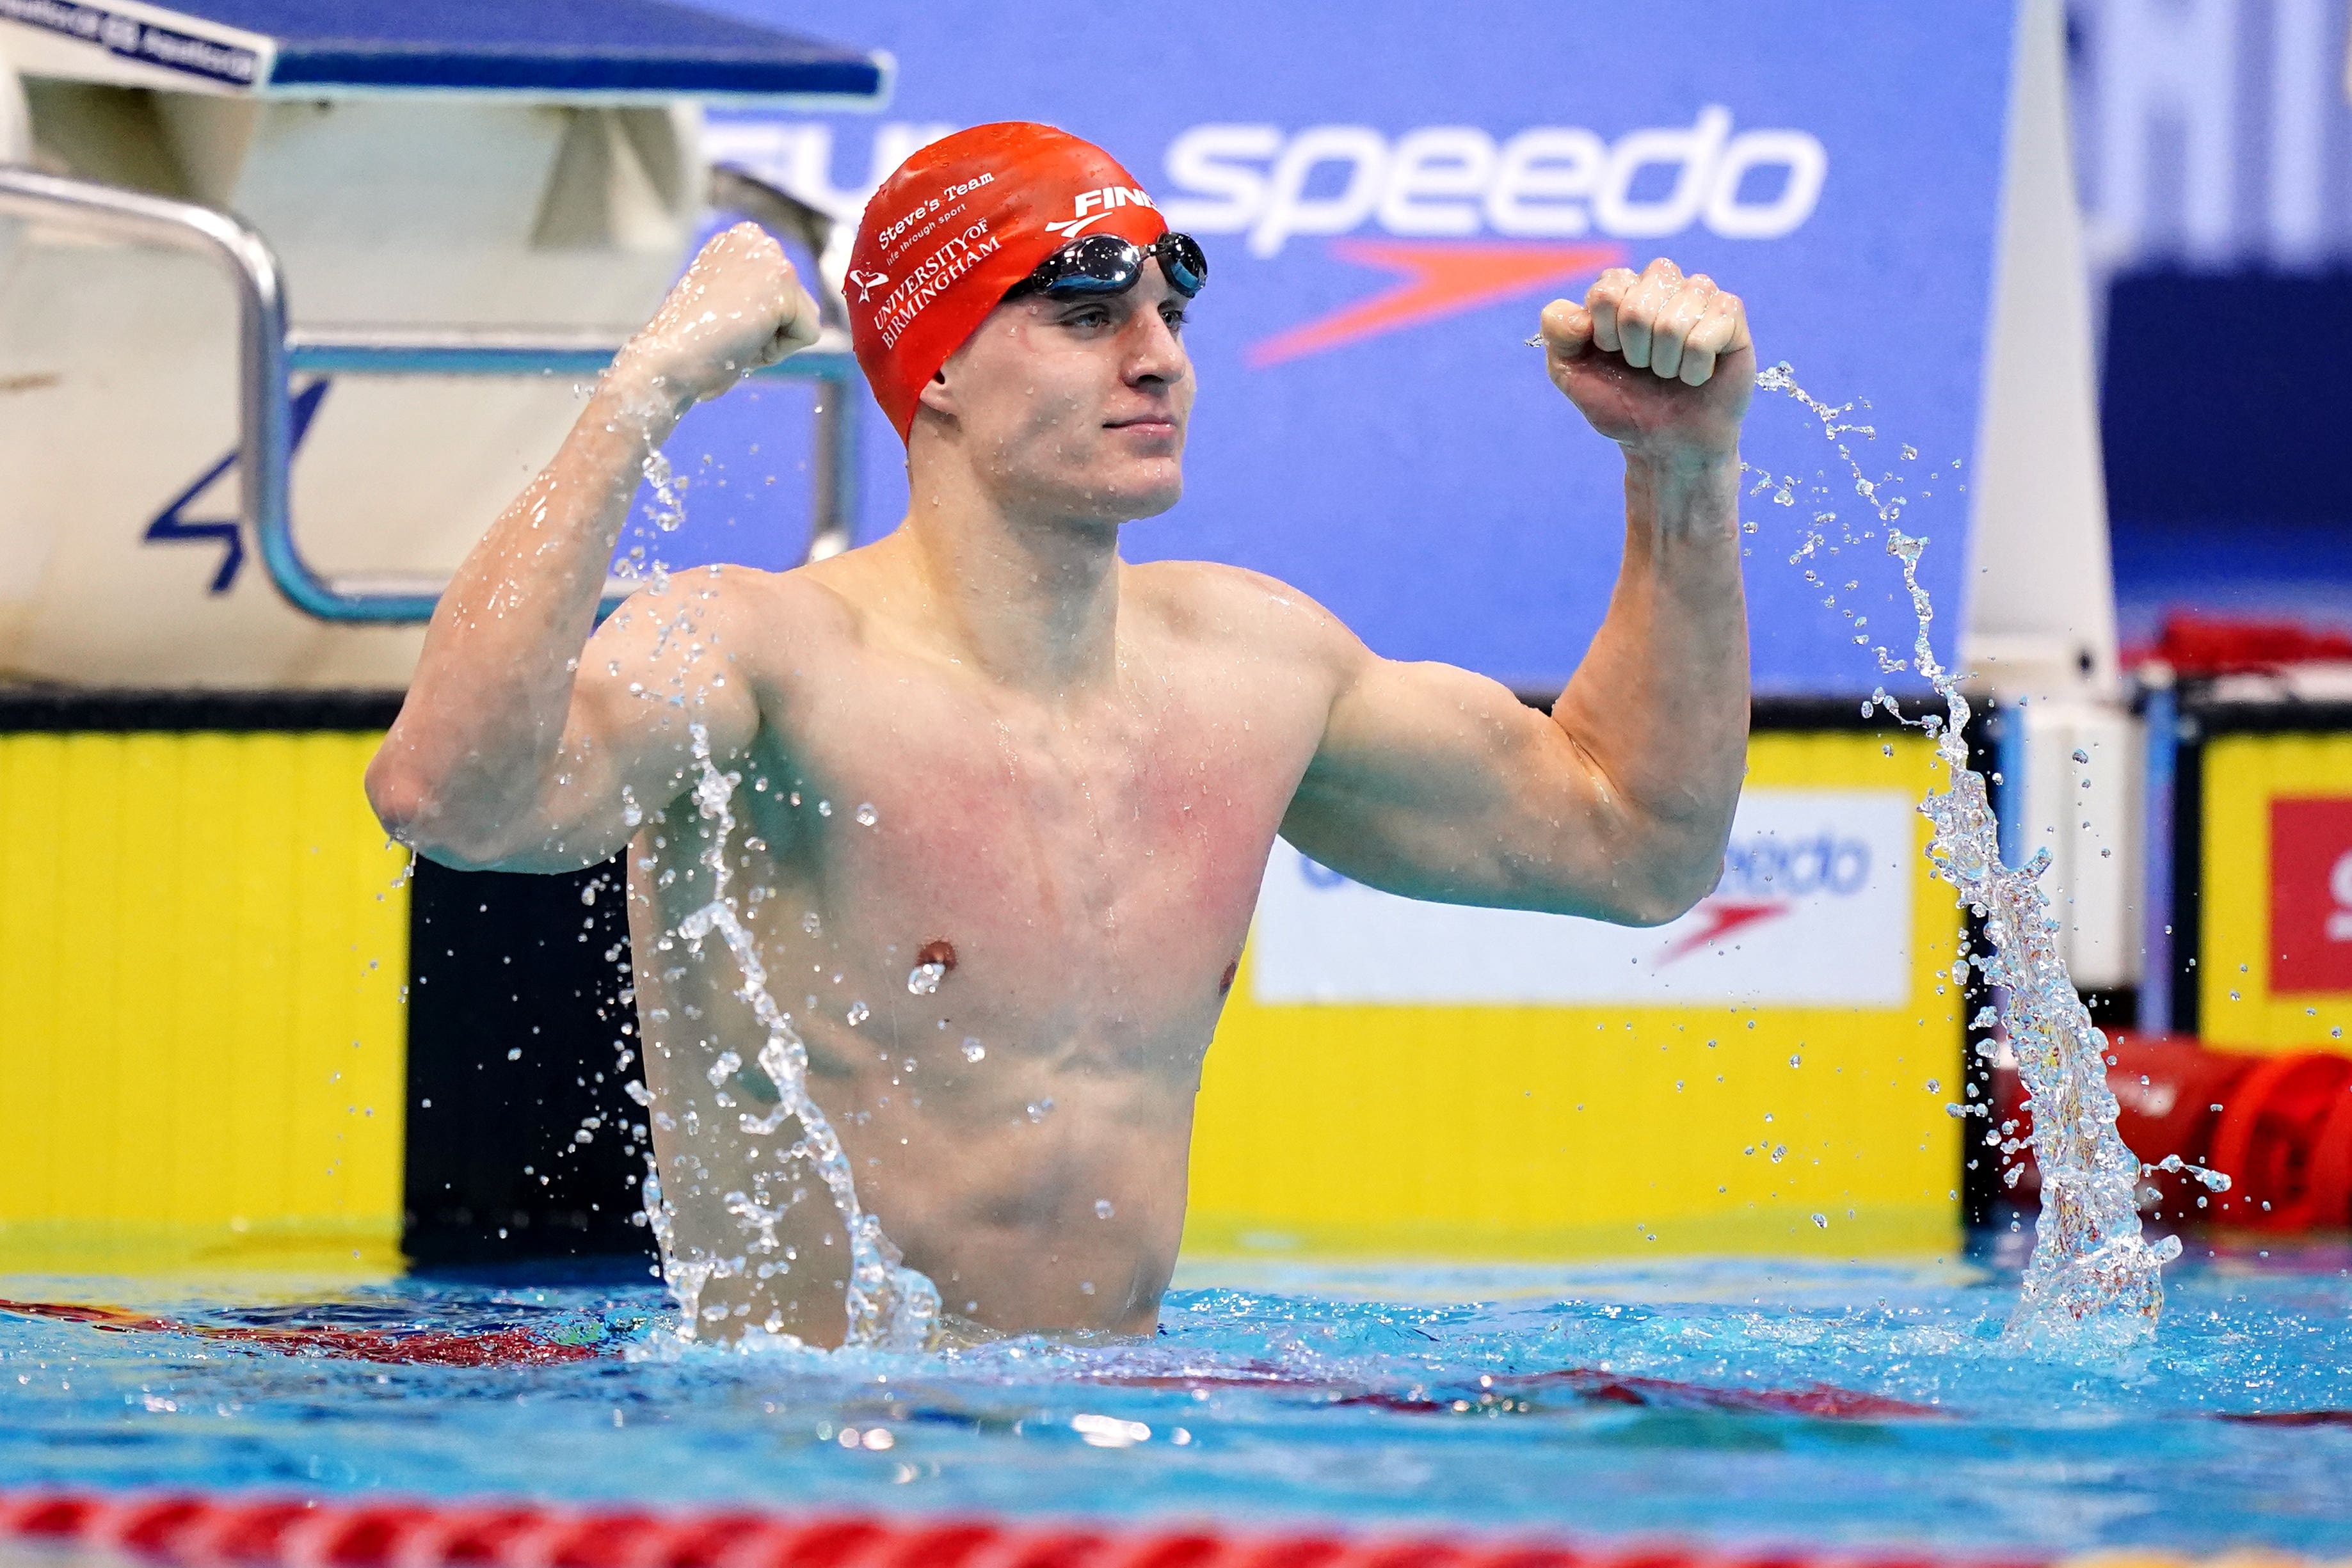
321, 1533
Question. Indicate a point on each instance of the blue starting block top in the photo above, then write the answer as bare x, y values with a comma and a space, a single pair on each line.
556, 50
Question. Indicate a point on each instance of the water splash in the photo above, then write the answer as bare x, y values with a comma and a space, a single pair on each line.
2093, 1276
889, 1305
665, 511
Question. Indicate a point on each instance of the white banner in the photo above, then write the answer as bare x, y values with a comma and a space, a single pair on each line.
1813, 909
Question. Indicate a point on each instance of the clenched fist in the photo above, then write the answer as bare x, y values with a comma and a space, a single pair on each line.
740, 307
1661, 364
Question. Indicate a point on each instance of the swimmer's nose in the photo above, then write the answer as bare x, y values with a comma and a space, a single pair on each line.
1156, 356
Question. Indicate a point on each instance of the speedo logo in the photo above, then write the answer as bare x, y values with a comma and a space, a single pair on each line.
1765, 875
1093, 206
1773, 866
1463, 218
1546, 182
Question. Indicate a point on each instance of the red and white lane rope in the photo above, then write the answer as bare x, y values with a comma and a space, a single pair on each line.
290, 1532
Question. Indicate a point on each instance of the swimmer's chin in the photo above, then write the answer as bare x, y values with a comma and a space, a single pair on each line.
1109, 506
1158, 503
1151, 498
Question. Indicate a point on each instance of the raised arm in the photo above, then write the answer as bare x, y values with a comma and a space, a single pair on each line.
524, 744
1439, 783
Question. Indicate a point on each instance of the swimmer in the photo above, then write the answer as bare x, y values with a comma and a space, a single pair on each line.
1007, 799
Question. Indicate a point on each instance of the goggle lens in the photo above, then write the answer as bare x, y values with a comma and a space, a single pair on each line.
1106, 264
1183, 262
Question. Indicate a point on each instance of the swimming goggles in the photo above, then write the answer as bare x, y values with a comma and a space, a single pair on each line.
1105, 264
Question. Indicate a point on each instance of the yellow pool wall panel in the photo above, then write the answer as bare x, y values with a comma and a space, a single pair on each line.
203, 953
2236, 1009
1537, 1132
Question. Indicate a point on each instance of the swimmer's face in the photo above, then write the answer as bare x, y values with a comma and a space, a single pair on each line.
1075, 409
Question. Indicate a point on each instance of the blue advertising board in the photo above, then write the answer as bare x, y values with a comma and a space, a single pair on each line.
1389, 193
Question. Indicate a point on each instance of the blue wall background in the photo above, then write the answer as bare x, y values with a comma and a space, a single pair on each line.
2214, 145
1427, 483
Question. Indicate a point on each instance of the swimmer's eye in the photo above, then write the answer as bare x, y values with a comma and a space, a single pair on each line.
1088, 318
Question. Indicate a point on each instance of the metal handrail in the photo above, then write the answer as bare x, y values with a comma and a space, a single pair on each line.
263, 418
267, 354
405, 351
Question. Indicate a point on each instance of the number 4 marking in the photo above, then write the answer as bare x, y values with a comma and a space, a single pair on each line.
170, 527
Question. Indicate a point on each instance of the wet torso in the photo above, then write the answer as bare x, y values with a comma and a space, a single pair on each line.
1004, 924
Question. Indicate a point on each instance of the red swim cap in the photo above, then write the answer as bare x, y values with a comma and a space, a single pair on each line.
959, 222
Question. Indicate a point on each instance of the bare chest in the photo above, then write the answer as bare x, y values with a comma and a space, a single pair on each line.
1050, 858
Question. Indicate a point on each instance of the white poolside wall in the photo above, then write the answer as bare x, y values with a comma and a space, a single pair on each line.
117, 365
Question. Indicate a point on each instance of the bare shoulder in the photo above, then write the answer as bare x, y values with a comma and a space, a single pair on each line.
1238, 609
738, 613
721, 639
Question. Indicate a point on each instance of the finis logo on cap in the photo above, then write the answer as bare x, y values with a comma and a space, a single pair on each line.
1102, 203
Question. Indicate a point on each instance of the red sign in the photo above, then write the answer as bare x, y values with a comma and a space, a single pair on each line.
2311, 894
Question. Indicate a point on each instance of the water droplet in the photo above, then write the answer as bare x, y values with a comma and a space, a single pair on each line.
809, 923
924, 978
1821, 1222
2081, 755
1038, 1109
1102, 1208
972, 1049
825, 808
857, 1013
1780, 1153
866, 815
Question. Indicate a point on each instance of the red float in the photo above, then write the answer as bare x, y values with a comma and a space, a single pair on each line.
2167, 1092
2266, 1139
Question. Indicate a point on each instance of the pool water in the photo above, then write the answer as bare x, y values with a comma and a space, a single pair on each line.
1730, 1401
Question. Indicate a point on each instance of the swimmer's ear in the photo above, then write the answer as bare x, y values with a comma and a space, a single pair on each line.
936, 395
